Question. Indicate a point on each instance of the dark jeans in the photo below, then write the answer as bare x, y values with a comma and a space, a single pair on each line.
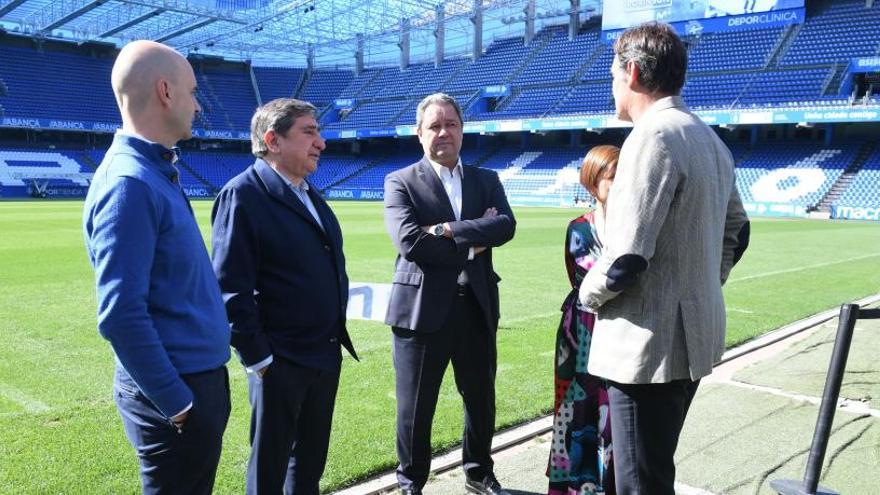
420, 361
646, 420
173, 461
292, 412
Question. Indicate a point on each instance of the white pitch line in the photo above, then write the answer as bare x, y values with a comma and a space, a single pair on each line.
846, 405
737, 310
682, 489
521, 319
29, 404
802, 268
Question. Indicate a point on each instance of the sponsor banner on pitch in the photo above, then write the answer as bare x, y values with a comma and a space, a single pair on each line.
828, 114
367, 301
345, 194
855, 213
198, 192
774, 209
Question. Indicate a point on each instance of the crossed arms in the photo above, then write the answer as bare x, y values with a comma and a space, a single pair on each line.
415, 244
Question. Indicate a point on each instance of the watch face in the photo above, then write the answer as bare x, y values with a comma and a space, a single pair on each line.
438, 229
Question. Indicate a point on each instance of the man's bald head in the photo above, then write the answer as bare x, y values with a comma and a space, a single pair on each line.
155, 89
138, 67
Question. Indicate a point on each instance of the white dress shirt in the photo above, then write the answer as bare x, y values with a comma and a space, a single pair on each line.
451, 180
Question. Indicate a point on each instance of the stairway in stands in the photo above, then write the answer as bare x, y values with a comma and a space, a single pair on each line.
846, 178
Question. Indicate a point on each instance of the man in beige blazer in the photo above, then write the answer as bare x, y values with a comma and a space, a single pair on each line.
675, 227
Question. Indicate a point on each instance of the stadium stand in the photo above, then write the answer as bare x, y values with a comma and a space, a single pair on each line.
587, 98
29, 172
57, 86
559, 59
810, 61
215, 168
864, 189
357, 84
500, 59
710, 52
836, 32
373, 178
322, 86
231, 97
438, 78
799, 173
277, 82
553, 75
334, 168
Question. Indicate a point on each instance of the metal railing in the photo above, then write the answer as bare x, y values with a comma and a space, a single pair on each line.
849, 313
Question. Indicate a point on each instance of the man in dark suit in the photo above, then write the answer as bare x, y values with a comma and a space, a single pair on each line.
444, 220
278, 258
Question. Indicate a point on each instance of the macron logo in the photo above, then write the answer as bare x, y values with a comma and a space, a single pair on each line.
858, 213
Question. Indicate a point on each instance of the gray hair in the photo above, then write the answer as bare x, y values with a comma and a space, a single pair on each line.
278, 115
436, 99
658, 52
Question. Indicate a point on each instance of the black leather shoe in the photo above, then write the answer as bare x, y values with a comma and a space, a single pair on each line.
410, 491
488, 486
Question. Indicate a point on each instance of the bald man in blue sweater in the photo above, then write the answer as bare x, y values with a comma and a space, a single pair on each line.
159, 303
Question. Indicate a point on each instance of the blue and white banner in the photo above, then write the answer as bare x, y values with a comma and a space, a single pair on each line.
855, 213
345, 194
732, 23
107, 127
775, 210
359, 133
598, 121
70, 125
222, 135
622, 14
343, 104
198, 192
717, 117
864, 64
367, 301
552, 200
66, 191
495, 91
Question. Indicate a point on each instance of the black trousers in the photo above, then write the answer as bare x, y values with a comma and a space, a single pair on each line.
176, 461
646, 420
291, 416
420, 361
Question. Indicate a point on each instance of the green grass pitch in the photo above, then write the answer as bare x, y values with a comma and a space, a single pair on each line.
60, 433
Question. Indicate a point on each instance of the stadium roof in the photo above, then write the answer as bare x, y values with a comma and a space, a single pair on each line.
280, 32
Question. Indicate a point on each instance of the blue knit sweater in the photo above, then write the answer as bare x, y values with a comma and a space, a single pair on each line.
159, 303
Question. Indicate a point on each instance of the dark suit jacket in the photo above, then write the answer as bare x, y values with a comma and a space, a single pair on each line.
427, 267
282, 277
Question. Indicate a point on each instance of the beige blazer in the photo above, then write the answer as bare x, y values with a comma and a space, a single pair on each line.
674, 203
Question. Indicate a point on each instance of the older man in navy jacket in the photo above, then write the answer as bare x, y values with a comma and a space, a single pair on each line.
278, 258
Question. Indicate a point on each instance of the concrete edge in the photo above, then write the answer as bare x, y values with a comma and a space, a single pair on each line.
786, 331
452, 459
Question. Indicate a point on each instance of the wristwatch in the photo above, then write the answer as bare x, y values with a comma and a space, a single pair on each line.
438, 230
